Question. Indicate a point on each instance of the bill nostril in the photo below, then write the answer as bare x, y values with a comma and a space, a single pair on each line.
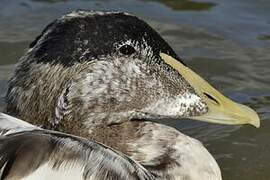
211, 98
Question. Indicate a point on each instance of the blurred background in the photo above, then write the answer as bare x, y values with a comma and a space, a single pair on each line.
225, 41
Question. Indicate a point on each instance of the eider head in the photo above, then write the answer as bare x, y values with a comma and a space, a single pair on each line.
107, 68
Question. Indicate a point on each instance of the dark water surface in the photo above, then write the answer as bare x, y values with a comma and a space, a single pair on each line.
226, 41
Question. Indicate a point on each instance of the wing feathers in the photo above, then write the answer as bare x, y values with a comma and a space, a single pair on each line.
41, 154
9, 125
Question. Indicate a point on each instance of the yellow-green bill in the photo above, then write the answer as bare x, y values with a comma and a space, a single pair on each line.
221, 109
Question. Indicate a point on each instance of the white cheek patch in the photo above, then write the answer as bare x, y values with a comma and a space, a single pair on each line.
181, 105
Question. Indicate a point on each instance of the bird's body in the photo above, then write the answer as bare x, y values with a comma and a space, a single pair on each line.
28, 152
101, 76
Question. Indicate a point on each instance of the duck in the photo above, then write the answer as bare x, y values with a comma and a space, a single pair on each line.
110, 78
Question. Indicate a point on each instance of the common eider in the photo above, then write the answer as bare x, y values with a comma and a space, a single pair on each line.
110, 78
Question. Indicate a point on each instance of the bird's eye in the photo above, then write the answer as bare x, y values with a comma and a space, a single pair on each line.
127, 50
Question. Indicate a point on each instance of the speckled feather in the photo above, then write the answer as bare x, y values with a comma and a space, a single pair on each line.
61, 157
65, 156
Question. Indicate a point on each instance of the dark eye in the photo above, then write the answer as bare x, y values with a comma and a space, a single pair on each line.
127, 50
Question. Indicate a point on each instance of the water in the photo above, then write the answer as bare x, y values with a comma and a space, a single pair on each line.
226, 41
